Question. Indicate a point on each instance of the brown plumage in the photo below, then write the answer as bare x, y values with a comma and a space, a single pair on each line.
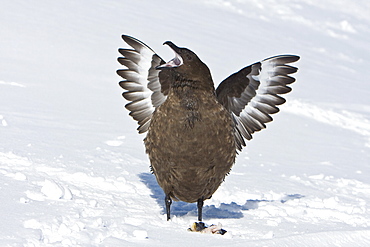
194, 130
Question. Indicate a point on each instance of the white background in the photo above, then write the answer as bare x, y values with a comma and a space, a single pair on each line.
73, 170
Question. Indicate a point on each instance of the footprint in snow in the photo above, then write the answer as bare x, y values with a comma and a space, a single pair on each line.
53, 190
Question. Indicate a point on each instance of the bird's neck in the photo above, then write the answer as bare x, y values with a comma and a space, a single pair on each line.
184, 84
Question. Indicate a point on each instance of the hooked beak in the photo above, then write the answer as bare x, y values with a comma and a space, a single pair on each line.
176, 61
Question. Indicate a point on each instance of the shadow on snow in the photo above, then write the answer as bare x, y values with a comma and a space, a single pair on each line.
179, 208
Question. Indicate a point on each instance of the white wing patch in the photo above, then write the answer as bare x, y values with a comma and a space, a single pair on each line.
141, 81
266, 81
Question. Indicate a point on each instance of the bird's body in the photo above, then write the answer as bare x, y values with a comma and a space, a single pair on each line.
191, 149
193, 130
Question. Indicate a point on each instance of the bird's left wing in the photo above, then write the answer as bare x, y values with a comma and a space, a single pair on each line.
251, 95
141, 81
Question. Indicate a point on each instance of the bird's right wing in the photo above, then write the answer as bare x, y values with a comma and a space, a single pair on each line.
141, 81
252, 94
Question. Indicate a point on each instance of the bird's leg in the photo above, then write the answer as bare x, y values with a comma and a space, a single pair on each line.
200, 208
168, 202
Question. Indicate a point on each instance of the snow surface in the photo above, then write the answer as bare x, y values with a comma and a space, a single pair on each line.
73, 170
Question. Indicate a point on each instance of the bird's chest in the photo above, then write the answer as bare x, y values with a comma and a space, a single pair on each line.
188, 123
186, 113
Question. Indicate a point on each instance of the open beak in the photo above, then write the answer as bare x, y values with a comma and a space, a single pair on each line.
176, 61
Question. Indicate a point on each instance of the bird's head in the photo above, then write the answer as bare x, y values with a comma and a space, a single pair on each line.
186, 65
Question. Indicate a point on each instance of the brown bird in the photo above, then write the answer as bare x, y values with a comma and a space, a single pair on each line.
193, 130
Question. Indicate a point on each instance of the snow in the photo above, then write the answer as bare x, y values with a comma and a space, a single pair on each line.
73, 170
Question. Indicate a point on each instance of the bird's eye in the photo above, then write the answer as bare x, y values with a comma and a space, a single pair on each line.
189, 57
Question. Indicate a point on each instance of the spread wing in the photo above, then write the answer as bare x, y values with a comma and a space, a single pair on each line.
253, 94
141, 81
